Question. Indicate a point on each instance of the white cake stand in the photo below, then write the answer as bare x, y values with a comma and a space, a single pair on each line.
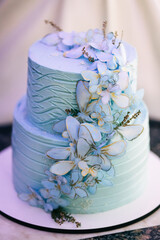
15, 209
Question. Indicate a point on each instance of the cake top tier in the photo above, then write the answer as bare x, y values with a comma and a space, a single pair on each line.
59, 60
75, 52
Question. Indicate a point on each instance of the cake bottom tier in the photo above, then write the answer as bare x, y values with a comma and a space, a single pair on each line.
30, 145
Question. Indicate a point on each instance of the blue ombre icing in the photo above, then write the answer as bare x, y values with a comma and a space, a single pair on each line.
80, 135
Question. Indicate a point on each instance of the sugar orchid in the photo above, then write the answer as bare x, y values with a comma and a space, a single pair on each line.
124, 58
131, 132
93, 182
82, 136
94, 43
96, 80
49, 203
81, 41
99, 84
102, 113
83, 97
88, 170
102, 154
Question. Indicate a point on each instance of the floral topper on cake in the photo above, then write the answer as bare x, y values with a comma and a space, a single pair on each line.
98, 130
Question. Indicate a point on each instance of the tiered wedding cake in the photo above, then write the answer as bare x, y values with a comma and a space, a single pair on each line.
80, 135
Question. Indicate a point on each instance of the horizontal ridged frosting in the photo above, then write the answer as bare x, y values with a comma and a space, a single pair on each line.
29, 163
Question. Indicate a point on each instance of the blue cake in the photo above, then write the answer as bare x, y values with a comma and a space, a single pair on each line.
80, 135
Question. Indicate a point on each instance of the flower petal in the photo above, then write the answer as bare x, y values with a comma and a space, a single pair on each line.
99, 89
106, 109
82, 95
92, 189
121, 100
85, 169
82, 147
74, 176
59, 153
68, 38
115, 148
90, 107
47, 184
91, 76
111, 172
24, 196
93, 172
95, 133
73, 53
66, 189
85, 134
81, 192
105, 97
65, 134
72, 128
95, 115
50, 39
55, 192
83, 165
112, 63
103, 56
123, 80
63, 48
93, 160
60, 126
62, 168
93, 89
91, 53
100, 122
33, 202
45, 193
102, 68
105, 165
120, 54
92, 66
130, 132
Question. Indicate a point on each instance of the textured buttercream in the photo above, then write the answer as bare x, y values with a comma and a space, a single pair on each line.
30, 145
52, 81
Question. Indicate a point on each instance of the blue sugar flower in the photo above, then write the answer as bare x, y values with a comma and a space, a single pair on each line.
100, 84
33, 198
82, 137
102, 113
92, 182
85, 105
36, 200
80, 41
103, 153
78, 190
56, 188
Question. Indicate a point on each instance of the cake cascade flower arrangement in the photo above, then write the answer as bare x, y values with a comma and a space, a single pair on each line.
98, 130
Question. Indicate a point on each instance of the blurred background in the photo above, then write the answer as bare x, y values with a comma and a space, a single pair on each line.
22, 23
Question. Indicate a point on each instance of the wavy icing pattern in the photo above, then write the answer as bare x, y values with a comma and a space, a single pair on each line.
49, 93
52, 83
29, 163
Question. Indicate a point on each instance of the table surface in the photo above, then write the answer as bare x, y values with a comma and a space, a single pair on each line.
149, 228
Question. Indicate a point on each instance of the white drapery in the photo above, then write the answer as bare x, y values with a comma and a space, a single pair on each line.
22, 23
